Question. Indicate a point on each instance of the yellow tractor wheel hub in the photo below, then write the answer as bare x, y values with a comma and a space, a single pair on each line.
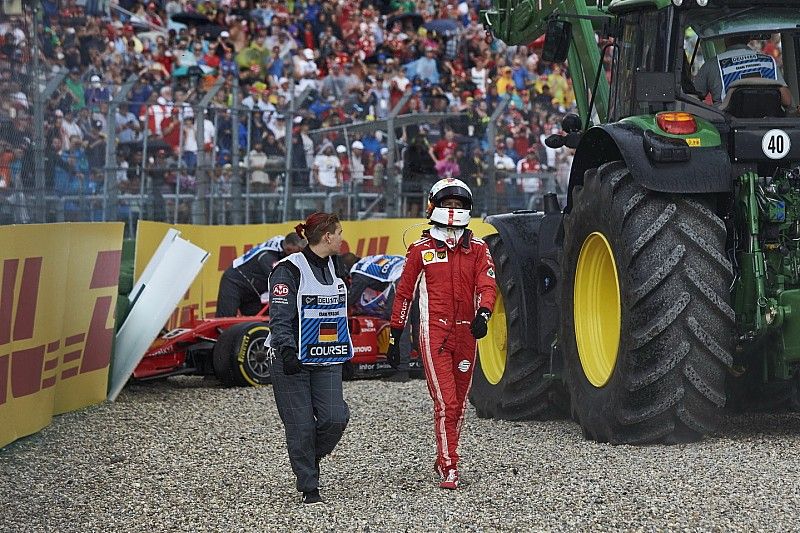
597, 309
493, 347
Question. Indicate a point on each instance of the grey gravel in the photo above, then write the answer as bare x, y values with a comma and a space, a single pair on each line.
187, 455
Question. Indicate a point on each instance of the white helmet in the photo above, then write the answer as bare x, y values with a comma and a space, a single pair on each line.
443, 216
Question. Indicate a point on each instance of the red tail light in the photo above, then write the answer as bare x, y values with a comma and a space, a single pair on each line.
676, 123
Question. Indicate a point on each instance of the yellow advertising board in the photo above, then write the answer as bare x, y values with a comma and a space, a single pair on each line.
226, 243
58, 289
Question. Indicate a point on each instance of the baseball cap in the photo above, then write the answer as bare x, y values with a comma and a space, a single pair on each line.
94, 78
224, 34
308, 53
341, 149
357, 145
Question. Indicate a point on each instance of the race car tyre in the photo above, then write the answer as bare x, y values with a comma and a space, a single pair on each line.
647, 328
241, 357
509, 380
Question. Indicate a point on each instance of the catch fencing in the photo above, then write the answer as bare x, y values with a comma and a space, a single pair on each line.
196, 150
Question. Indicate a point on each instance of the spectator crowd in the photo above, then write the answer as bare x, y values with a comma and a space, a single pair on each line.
333, 62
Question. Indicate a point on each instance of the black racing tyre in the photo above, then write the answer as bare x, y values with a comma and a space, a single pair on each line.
647, 328
241, 357
509, 379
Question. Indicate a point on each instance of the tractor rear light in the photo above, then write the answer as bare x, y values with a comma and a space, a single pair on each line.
676, 123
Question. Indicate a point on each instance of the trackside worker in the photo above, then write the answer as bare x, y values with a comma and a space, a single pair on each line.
310, 338
738, 62
243, 286
372, 289
454, 274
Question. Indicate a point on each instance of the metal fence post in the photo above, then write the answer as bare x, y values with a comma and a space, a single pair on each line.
40, 211
199, 210
287, 180
236, 185
287, 185
111, 186
247, 171
491, 134
393, 185
40, 96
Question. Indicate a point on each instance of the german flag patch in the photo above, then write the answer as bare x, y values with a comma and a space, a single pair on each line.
328, 332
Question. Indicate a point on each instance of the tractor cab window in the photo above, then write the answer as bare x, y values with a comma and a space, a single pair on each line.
644, 45
745, 66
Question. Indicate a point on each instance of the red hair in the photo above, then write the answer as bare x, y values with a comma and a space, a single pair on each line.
316, 226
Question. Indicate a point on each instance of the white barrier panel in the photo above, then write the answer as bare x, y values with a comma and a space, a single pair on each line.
163, 283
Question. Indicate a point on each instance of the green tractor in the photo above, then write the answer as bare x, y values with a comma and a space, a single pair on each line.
668, 286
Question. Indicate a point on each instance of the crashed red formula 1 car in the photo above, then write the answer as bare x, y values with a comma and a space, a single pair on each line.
234, 349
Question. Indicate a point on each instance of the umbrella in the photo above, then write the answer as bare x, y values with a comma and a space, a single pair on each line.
191, 19
210, 31
414, 18
442, 26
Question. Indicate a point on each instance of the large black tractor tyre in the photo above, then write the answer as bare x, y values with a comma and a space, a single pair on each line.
241, 357
509, 379
651, 270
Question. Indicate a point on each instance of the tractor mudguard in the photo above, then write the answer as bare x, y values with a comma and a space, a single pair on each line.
707, 171
534, 246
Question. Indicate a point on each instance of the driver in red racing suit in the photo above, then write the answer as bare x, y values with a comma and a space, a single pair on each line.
454, 274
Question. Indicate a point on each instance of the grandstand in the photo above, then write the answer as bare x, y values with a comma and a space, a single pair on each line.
181, 111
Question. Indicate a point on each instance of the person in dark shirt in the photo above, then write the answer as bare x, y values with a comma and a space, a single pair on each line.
246, 280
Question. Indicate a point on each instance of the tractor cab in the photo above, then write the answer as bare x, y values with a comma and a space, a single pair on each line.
743, 61
729, 69
697, 59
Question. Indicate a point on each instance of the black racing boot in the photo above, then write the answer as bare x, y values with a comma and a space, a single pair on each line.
311, 497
